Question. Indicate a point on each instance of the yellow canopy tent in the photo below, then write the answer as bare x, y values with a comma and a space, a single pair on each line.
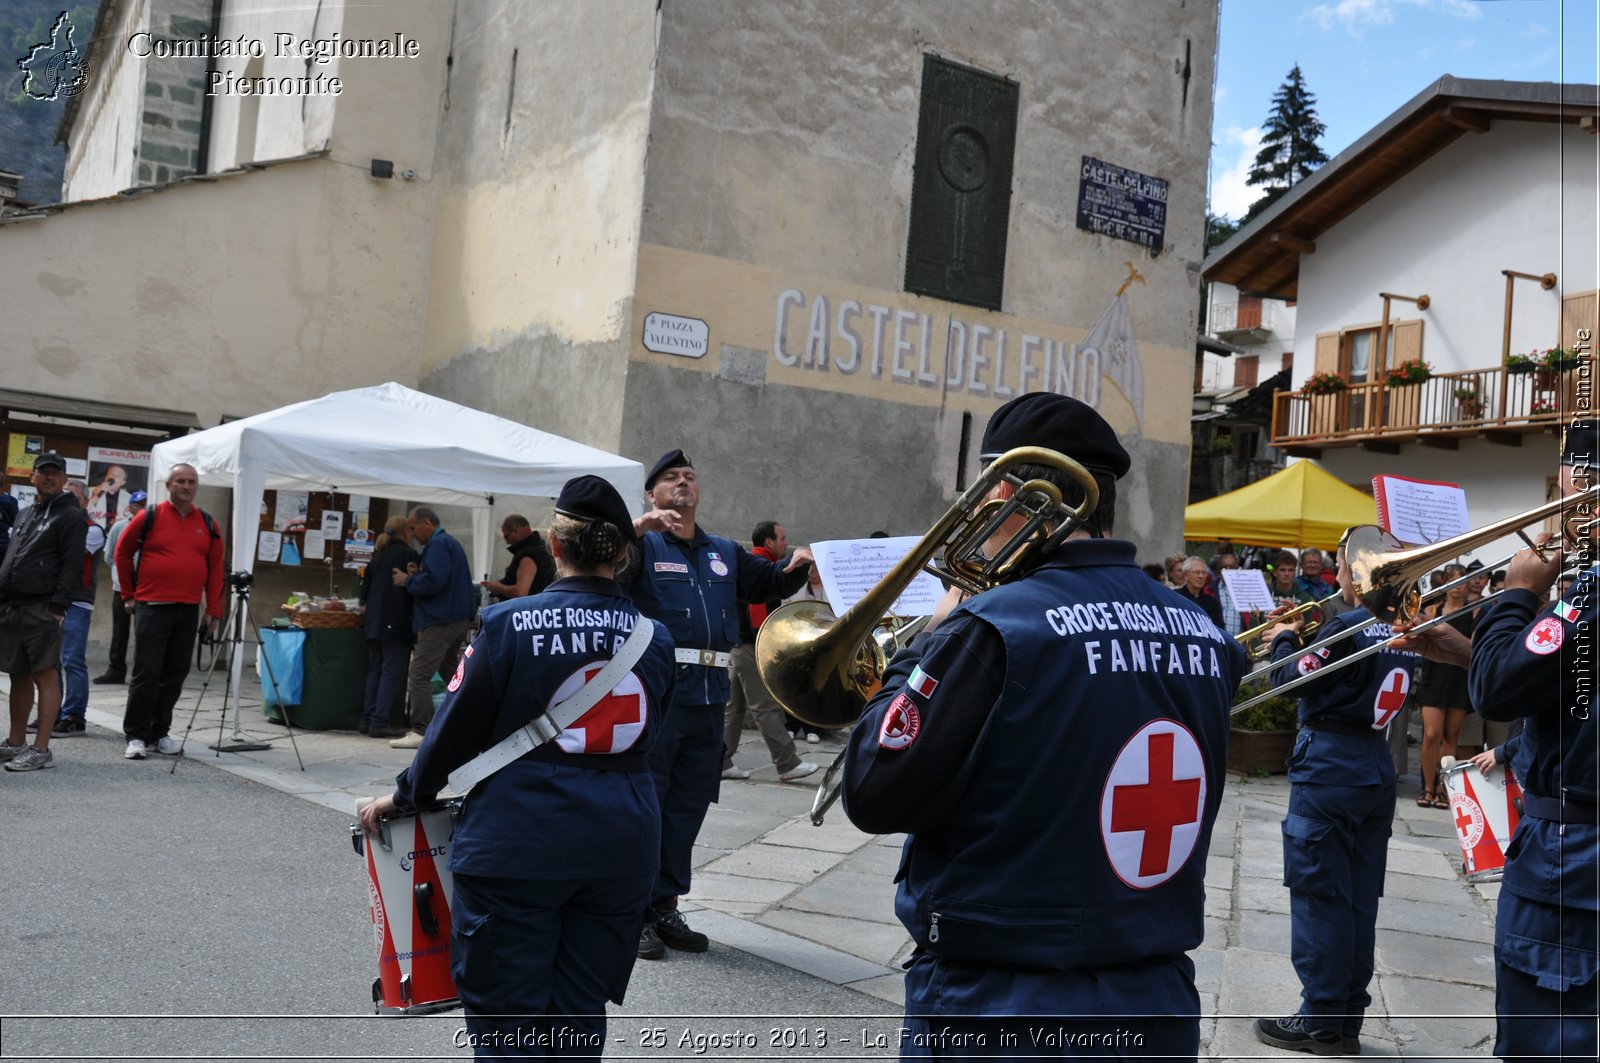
1303, 505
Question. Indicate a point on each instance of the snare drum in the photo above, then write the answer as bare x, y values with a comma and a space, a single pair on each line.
408, 889
1485, 815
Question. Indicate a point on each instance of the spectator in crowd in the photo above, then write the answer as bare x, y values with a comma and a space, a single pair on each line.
121, 623
169, 558
531, 569
1442, 695
41, 572
1311, 570
1284, 585
8, 511
771, 543
75, 629
1175, 577
1195, 575
442, 607
691, 582
1232, 620
386, 626
1155, 572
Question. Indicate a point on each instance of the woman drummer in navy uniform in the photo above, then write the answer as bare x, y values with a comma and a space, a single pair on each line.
554, 855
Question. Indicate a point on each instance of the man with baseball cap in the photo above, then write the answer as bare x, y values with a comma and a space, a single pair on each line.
41, 571
121, 622
692, 582
1054, 748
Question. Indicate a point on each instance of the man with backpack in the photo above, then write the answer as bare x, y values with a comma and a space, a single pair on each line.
179, 561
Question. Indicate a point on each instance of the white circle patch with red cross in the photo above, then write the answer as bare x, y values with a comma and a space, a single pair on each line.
1545, 637
612, 724
1150, 809
1391, 697
1469, 819
900, 724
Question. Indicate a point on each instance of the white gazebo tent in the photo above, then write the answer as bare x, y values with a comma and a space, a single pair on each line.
388, 441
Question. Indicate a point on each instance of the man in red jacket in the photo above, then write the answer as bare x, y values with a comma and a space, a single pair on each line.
179, 552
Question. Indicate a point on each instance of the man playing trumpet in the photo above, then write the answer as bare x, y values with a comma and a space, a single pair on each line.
1055, 749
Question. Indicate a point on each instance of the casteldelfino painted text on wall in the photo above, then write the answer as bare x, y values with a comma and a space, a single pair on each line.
770, 326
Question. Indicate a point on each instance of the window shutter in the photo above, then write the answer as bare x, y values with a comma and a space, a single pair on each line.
1581, 311
1407, 341
1327, 360
961, 188
1245, 368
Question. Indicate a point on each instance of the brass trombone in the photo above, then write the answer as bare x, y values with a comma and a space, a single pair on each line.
1386, 574
823, 669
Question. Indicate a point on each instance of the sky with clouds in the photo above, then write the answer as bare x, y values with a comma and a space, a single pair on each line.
1363, 59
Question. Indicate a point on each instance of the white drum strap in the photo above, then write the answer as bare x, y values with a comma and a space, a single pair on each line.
547, 726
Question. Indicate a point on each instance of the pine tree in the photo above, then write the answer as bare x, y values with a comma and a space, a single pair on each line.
1289, 150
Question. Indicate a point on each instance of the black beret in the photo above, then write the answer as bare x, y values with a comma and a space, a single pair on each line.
672, 459
1055, 422
50, 457
592, 498
1578, 442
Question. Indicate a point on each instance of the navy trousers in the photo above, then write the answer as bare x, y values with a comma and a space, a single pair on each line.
386, 683
1546, 992
535, 960
686, 762
1335, 847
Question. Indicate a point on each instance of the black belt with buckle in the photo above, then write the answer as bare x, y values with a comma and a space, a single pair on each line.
1560, 810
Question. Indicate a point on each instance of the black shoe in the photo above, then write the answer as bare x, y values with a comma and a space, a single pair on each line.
1291, 1033
1350, 1044
386, 732
68, 728
33, 725
673, 931
364, 727
650, 946
109, 677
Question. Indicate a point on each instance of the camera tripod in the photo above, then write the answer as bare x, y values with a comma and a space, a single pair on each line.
233, 634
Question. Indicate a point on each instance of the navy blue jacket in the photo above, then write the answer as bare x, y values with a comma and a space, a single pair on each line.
1056, 750
583, 805
388, 615
1541, 667
694, 587
1367, 694
442, 589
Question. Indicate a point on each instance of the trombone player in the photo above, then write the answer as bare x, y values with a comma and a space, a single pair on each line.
1336, 832
1540, 667
1054, 747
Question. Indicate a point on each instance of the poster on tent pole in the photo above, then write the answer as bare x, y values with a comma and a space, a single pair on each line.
1419, 512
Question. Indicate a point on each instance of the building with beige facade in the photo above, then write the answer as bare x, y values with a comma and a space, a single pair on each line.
815, 244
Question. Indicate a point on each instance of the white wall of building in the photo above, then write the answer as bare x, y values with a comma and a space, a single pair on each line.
1278, 323
1521, 196
102, 146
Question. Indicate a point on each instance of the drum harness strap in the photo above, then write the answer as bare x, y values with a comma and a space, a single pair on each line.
548, 725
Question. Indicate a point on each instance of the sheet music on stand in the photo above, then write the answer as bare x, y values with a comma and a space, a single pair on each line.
851, 567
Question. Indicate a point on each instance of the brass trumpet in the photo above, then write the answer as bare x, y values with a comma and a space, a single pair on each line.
1257, 649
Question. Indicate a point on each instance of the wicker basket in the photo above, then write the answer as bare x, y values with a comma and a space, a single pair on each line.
327, 619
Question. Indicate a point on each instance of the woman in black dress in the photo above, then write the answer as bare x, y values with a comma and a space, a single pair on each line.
1442, 693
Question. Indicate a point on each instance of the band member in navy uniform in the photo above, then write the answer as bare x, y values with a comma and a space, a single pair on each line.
1055, 749
1336, 833
555, 854
692, 583
1540, 667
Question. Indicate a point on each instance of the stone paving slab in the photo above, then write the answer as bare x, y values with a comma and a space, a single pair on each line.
846, 893
707, 887
836, 835
1458, 921
873, 860
782, 862
732, 828
1459, 1019
1426, 956
1409, 859
878, 942
819, 961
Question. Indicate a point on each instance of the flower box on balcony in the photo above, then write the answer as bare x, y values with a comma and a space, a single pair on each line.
1324, 384
1517, 364
1413, 372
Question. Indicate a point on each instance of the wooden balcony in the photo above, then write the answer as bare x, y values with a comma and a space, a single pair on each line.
1507, 406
